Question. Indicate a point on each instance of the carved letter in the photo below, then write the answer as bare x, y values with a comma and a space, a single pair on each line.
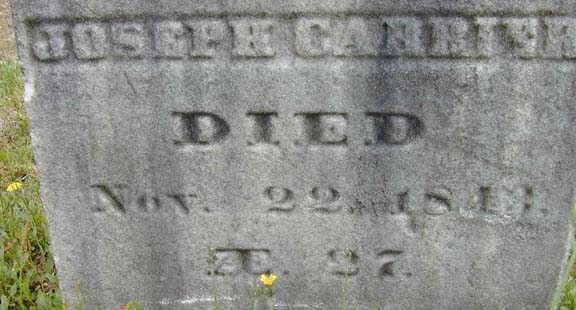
324, 128
146, 203
229, 262
387, 259
521, 36
235, 261
402, 37
200, 128
450, 37
323, 200
561, 38
207, 37
281, 199
90, 41
438, 201
129, 40
170, 40
113, 198
337, 263
257, 261
393, 128
487, 36
50, 42
263, 128
253, 38
352, 38
312, 37
182, 201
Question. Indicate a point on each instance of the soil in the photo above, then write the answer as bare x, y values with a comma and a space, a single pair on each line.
7, 48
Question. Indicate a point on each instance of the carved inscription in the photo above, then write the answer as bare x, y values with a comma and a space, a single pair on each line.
195, 38
129, 40
91, 41
338, 264
207, 37
120, 199
264, 128
382, 263
199, 128
387, 258
319, 199
280, 199
501, 203
170, 39
496, 204
393, 128
51, 42
236, 261
324, 128
252, 38
315, 128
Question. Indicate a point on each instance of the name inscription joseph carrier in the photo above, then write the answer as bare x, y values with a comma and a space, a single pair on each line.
548, 37
435, 142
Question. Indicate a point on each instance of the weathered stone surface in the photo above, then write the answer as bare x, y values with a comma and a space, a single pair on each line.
434, 139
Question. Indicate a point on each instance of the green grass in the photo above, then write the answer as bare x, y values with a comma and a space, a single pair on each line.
28, 278
568, 301
27, 275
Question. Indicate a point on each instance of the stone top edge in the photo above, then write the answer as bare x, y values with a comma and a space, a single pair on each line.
99, 9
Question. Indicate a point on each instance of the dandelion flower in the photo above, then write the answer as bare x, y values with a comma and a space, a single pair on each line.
268, 280
14, 186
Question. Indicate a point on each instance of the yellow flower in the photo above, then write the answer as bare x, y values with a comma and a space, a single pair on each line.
268, 280
14, 186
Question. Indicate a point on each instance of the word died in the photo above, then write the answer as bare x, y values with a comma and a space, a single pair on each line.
320, 128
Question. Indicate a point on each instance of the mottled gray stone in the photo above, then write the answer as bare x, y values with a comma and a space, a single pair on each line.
434, 139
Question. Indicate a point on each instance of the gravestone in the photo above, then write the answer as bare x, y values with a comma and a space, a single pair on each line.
433, 139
